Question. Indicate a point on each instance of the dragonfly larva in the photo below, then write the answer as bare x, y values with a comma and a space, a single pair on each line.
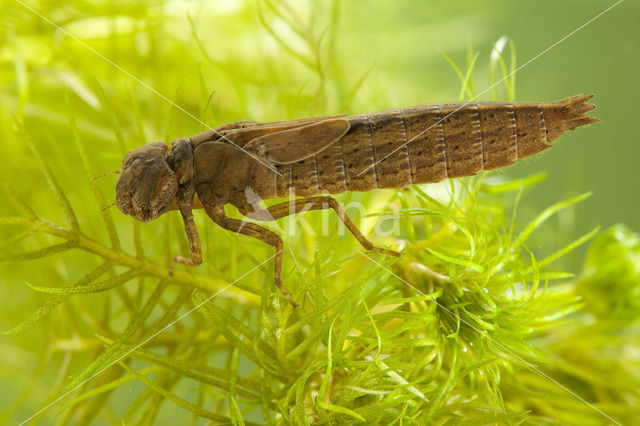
329, 155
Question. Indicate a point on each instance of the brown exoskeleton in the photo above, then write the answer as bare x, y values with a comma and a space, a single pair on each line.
332, 154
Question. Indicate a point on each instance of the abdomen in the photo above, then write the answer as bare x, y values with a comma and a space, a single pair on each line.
428, 143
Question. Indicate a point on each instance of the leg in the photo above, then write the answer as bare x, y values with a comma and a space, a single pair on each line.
318, 203
194, 244
262, 234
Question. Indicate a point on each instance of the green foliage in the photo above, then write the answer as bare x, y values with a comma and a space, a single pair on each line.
610, 283
474, 324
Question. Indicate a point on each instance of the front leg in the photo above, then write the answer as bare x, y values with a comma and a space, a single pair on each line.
260, 233
194, 243
180, 160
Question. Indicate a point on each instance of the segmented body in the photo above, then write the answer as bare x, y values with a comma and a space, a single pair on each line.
386, 149
424, 144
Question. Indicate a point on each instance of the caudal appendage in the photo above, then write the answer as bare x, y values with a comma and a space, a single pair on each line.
567, 114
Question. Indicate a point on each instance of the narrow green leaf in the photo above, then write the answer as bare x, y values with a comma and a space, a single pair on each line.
117, 129
415, 299
52, 303
117, 348
36, 254
461, 262
286, 46
236, 414
328, 306
513, 185
139, 121
97, 192
212, 312
466, 81
323, 386
340, 410
16, 220
546, 214
481, 322
455, 66
112, 385
247, 388
319, 332
19, 200
177, 400
95, 288
354, 90
512, 68
568, 248
547, 276
444, 391
59, 194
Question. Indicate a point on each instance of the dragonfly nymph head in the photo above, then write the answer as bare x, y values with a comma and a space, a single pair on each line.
147, 185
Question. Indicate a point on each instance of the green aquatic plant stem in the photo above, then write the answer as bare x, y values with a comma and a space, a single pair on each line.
76, 240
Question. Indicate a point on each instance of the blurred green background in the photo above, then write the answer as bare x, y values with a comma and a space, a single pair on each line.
397, 45
231, 60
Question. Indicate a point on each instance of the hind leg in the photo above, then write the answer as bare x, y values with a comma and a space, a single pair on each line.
321, 202
263, 234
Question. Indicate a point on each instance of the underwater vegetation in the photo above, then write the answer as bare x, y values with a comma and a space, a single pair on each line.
495, 314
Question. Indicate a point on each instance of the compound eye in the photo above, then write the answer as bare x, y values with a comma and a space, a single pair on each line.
137, 167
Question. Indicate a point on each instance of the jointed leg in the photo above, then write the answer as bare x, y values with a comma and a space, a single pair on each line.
288, 208
194, 244
262, 234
